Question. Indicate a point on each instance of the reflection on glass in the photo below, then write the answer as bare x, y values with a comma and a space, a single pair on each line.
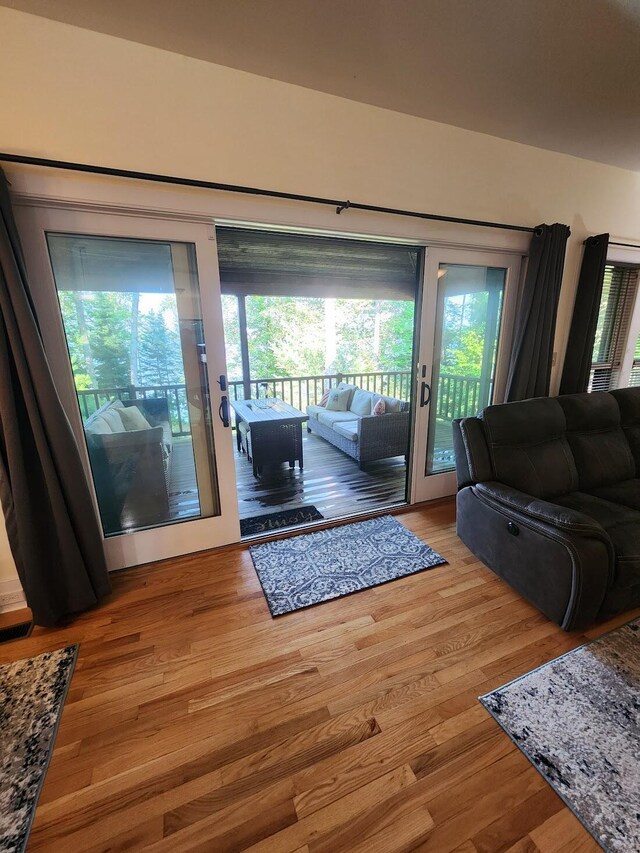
468, 317
133, 322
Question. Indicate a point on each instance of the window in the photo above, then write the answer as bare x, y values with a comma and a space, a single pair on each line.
619, 290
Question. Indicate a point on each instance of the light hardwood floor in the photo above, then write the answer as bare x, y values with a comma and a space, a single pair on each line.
196, 722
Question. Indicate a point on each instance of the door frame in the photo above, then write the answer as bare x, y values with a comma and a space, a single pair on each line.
177, 537
424, 486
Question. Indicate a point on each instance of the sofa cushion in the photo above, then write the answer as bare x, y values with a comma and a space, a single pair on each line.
622, 524
314, 411
628, 400
600, 448
331, 418
339, 399
132, 418
347, 429
112, 416
361, 402
378, 407
627, 493
342, 386
528, 447
391, 404
98, 426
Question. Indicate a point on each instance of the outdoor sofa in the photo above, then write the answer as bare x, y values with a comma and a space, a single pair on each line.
130, 460
359, 433
549, 498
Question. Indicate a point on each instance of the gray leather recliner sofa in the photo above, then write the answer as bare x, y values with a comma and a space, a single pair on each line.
549, 498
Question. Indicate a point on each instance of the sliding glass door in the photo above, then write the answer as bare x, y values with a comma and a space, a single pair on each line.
468, 309
131, 315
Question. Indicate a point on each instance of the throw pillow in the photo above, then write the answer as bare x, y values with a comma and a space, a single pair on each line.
379, 407
132, 418
112, 417
325, 397
338, 400
361, 402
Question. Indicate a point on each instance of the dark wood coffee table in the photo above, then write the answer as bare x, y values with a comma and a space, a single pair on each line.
274, 432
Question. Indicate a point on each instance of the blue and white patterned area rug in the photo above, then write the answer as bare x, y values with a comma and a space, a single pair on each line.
314, 567
32, 693
577, 719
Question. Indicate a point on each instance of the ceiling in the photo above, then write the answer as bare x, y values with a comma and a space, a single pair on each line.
558, 74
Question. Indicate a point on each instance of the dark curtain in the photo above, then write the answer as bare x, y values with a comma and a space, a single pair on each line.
52, 528
577, 361
532, 353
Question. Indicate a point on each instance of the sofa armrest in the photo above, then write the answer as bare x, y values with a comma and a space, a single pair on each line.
559, 516
560, 559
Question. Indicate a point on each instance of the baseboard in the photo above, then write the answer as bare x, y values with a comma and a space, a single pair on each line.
11, 596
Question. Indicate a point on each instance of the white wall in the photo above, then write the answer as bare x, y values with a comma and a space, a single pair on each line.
72, 94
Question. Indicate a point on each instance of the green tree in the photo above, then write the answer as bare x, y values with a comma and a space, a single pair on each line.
159, 352
109, 317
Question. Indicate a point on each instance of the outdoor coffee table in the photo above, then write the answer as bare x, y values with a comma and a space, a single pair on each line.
274, 431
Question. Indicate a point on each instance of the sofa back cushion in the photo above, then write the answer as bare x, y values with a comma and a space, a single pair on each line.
528, 447
361, 402
598, 443
628, 400
132, 418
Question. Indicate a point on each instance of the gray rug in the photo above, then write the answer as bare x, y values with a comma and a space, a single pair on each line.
32, 693
577, 719
303, 570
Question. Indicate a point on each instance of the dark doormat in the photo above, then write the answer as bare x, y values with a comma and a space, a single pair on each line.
273, 521
302, 570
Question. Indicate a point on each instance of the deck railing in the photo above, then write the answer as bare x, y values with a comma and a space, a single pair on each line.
303, 391
457, 396
91, 399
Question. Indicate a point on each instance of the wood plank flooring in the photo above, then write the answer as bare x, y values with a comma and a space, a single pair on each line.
196, 722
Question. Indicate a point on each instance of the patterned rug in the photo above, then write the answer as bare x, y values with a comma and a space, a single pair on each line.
303, 570
32, 693
577, 719
277, 520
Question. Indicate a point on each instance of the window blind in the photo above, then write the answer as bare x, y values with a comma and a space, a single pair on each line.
269, 263
619, 290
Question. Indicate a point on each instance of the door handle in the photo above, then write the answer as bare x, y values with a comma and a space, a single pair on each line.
425, 394
222, 382
223, 411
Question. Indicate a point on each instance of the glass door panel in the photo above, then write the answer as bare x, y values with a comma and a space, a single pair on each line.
468, 315
132, 318
468, 308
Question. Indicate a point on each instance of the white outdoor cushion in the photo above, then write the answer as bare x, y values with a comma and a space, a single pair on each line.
99, 426
347, 429
339, 399
343, 386
391, 404
314, 411
112, 417
331, 418
132, 418
361, 402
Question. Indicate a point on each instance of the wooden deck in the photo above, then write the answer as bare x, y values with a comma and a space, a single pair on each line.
331, 481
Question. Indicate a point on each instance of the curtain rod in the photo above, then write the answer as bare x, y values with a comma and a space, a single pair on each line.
627, 245
234, 188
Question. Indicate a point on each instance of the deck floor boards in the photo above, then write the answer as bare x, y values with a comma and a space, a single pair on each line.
331, 481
